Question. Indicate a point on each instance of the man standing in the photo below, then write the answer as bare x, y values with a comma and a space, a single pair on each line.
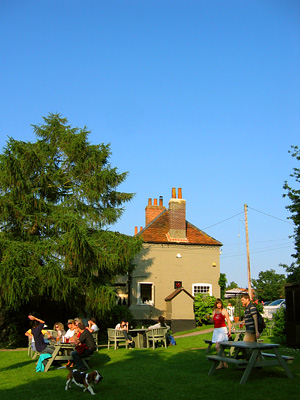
251, 321
85, 346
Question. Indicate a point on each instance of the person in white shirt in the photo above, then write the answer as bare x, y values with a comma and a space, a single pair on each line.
123, 326
160, 324
92, 326
71, 329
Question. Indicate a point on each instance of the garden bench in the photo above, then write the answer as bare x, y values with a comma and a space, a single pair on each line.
156, 335
288, 359
236, 361
116, 336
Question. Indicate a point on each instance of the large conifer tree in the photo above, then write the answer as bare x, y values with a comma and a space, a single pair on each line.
58, 196
294, 195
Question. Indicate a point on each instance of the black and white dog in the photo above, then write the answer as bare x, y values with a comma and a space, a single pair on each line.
83, 379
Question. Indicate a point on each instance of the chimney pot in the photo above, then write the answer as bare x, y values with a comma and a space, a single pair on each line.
155, 202
141, 228
173, 193
160, 200
149, 202
135, 230
179, 193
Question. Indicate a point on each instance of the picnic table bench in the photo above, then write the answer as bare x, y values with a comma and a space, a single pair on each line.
257, 357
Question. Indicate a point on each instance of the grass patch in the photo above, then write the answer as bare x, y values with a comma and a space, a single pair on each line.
178, 372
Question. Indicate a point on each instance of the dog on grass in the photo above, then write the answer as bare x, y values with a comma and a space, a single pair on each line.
83, 379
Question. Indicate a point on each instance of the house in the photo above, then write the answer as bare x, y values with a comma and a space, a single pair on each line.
175, 255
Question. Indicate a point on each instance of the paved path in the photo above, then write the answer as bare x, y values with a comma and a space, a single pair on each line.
194, 333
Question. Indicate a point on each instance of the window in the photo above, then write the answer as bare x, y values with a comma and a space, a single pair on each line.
202, 288
145, 293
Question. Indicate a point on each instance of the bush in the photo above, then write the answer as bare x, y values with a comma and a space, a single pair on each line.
117, 314
259, 306
203, 308
279, 326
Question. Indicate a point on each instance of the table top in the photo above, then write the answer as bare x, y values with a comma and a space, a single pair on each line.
249, 345
59, 344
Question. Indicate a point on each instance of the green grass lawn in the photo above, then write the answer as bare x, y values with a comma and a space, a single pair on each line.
178, 372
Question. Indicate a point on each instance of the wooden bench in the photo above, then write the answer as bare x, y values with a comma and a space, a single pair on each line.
288, 359
227, 359
116, 336
156, 335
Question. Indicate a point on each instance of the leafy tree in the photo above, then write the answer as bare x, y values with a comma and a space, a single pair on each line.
232, 285
269, 285
294, 196
58, 197
203, 308
222, 283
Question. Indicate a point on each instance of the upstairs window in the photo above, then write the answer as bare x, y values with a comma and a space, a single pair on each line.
203, 288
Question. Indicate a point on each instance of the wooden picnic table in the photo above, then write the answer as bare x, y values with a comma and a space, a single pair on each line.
238, 334
257, 357
62, 353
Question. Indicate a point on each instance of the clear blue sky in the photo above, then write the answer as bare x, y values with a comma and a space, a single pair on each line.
203, 95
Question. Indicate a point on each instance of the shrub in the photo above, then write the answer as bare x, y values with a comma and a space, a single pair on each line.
259, 306
203, 308
279, 326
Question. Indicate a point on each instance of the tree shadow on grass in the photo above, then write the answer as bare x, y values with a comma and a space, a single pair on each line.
148, 374
16, 366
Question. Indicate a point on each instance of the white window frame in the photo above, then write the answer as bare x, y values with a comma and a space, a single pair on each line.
202, 284
139, 300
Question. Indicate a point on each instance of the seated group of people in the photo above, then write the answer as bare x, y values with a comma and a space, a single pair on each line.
123, 326
77, 334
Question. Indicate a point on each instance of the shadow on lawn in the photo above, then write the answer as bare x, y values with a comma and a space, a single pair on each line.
148, 374
16, 366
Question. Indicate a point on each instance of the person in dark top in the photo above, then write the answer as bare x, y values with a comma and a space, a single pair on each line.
37, 326
251, 321
85, 346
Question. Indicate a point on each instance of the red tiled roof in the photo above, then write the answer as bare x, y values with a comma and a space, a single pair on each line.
157, 232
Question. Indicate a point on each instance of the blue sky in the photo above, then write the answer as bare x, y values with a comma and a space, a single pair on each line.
202, 95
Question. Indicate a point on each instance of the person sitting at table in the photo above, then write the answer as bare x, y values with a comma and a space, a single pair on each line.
77, 320
41, 346
251, 321
123, 326
220, 333
71, 329
30, 335
92, 326
85, 346
160, 324
59, 328
69, 336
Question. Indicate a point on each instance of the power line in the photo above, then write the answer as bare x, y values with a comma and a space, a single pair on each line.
272, 216
256, 251
260, 241
218, 223
242, 212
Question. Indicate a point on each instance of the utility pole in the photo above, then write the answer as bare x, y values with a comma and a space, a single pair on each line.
248, 252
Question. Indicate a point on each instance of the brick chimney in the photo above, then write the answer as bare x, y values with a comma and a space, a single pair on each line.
152, 211
177, 215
